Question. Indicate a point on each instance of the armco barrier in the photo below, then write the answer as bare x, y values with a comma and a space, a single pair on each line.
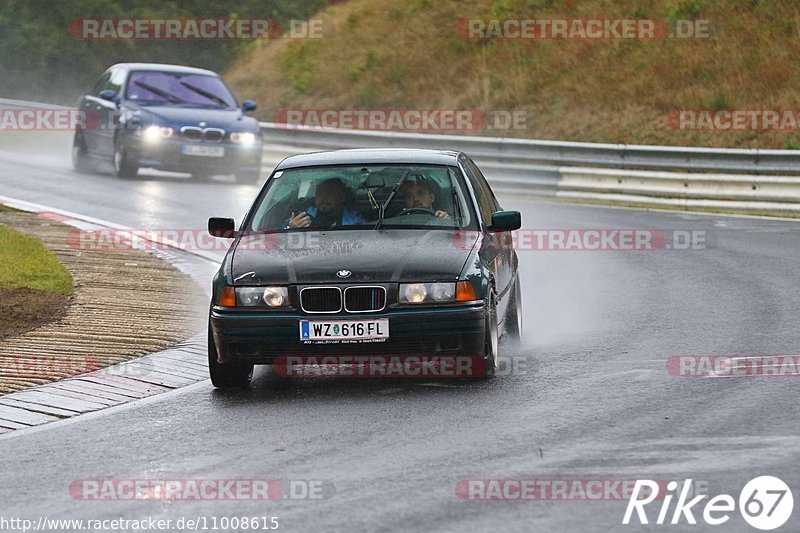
758, 182
751, 182
521, 153
719, 193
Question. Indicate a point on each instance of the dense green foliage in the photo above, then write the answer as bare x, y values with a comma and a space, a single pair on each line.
41, 60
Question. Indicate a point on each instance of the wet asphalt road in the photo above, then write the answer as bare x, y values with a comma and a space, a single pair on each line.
590, 398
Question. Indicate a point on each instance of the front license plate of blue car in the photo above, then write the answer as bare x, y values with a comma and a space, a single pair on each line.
203, 151
344, 331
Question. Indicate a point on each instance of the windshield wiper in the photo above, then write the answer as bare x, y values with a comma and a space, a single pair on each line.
202, 92
159, 92
389, 199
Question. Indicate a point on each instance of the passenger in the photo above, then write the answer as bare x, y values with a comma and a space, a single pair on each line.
419, 194
329, 208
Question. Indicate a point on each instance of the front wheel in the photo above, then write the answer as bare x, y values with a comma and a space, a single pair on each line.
231, 375
80, 156
490, 349
513, 319
123, 167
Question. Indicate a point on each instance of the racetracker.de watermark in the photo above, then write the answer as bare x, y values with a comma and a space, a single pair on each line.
47, 365
734, 119
160, 239
582, 29
734, 366
593, 239
440, 120
205, 489
180, 29
522, 240
549, 489
386, 366
48, 119
193, 239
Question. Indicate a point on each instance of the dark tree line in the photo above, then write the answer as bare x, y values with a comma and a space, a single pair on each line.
41, 60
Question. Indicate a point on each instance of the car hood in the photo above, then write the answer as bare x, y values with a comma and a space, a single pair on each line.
192, 116
370, 256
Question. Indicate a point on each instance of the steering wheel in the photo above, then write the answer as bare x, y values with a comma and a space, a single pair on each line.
417, 211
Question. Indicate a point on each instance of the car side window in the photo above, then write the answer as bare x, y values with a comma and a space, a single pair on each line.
485, 185
483, 194
116, 81
102, 83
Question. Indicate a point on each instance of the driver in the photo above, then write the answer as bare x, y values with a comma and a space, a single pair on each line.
419, 194
329, 208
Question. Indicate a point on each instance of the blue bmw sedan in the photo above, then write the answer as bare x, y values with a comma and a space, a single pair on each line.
167, 117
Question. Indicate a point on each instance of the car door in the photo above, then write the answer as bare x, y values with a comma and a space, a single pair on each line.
104, 113
91, 107
497, 250
110, 112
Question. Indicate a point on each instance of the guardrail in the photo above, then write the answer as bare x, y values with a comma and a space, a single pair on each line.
758, 182
752, 182
24, 104
550, 154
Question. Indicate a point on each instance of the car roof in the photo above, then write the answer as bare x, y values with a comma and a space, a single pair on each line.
163, 67
366, 156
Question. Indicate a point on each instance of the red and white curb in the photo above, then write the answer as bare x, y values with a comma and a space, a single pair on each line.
170, 369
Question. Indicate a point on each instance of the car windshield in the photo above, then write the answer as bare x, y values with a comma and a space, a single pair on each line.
178, 88
363, 196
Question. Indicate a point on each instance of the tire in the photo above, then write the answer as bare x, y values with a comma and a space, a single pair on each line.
227, 375
81, 161
123, 168
513, 320
491, 343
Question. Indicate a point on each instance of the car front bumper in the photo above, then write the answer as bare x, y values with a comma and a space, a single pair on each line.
267, 337
167, 154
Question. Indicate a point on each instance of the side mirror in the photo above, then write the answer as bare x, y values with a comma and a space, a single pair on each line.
109, 95
222, 227
248, 105
506, 221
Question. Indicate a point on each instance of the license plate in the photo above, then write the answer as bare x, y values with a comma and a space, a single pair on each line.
205, 151
374, 330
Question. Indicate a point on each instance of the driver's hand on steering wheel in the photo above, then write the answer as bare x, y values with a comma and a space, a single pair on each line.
300, 220
441, 214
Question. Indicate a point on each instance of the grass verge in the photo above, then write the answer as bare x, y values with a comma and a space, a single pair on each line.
26, 263
384, 54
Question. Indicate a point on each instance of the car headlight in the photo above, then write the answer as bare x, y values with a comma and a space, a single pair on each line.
262, 296
418, 293
245, 138
156, 133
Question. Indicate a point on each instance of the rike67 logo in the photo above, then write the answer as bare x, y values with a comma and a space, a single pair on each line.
766, 503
